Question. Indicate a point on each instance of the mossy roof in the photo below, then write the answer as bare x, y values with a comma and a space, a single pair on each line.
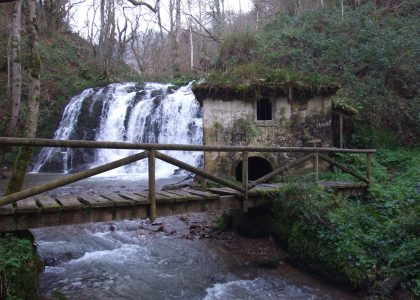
253, 80
345, 109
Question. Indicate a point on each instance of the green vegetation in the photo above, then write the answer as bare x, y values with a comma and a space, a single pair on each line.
371, 243
19, 269
372, 54
67, 68
251, 74
243, 131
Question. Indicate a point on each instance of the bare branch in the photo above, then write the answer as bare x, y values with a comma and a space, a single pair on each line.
142, 3
210, 35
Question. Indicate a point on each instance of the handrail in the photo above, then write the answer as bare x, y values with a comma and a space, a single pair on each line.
44, 187
7, 141
151, 152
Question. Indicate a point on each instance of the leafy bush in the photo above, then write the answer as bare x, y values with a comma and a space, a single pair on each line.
19, 268
371, 243
237, 49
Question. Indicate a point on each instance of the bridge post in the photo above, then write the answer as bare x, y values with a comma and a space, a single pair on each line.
152, 184
245, 180
316, 165
369, 168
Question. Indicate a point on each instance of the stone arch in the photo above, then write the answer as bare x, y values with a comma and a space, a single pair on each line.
257, 167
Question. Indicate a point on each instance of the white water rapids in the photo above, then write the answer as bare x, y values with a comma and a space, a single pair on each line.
126, 112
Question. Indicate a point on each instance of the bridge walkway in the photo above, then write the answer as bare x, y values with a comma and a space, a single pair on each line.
43, 211
30, 208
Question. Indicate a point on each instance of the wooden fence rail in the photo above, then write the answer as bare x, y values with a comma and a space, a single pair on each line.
152, 153
6, 141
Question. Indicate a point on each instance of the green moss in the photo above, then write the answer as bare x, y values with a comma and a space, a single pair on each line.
246, 77
243, 131
19, 268
21, 165
341, 106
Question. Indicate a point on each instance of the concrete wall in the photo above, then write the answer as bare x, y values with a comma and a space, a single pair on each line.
233, 122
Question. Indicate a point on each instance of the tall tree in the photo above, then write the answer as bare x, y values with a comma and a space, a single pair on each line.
25, 153
16, 68
175, 5
191, 38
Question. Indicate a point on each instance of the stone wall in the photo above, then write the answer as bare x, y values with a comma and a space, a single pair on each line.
233, 122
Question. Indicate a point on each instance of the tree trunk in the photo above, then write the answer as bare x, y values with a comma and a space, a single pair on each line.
25, 153
191, 39
175, 39
16, 69
159, 19
217, 18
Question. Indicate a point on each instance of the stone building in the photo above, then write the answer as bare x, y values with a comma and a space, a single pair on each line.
262, 115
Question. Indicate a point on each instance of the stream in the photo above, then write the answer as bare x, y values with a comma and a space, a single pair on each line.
170, 259
138, 260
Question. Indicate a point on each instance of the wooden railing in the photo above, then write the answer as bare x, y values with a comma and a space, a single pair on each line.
151, 152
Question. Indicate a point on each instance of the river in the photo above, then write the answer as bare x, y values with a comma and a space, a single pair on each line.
138, 260
170, 259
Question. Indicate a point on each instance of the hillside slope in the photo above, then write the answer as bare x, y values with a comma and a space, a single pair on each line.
372, 53
68, 67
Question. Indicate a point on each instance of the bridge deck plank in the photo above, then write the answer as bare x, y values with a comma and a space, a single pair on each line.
143, 194
185, 195
223, 191
70, 202
96, 201
170, 195
163, 196
205, 195
27, 205
48, 203
138, 199
6, 209
118, 200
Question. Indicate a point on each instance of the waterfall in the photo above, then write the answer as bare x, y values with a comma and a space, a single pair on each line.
126, 112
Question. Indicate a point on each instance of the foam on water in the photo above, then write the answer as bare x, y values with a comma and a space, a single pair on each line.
261, 288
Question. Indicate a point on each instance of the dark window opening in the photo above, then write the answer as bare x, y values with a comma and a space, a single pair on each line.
257, 167
264, 109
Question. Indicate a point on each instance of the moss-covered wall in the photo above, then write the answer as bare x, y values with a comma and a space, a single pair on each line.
295, 122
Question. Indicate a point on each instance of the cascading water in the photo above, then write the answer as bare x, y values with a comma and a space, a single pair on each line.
129, 112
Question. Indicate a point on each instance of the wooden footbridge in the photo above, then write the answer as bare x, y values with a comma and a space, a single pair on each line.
30, 209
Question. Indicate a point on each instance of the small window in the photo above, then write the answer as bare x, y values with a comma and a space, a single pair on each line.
264, 109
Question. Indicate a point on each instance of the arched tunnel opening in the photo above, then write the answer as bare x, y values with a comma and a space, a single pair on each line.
257, 167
